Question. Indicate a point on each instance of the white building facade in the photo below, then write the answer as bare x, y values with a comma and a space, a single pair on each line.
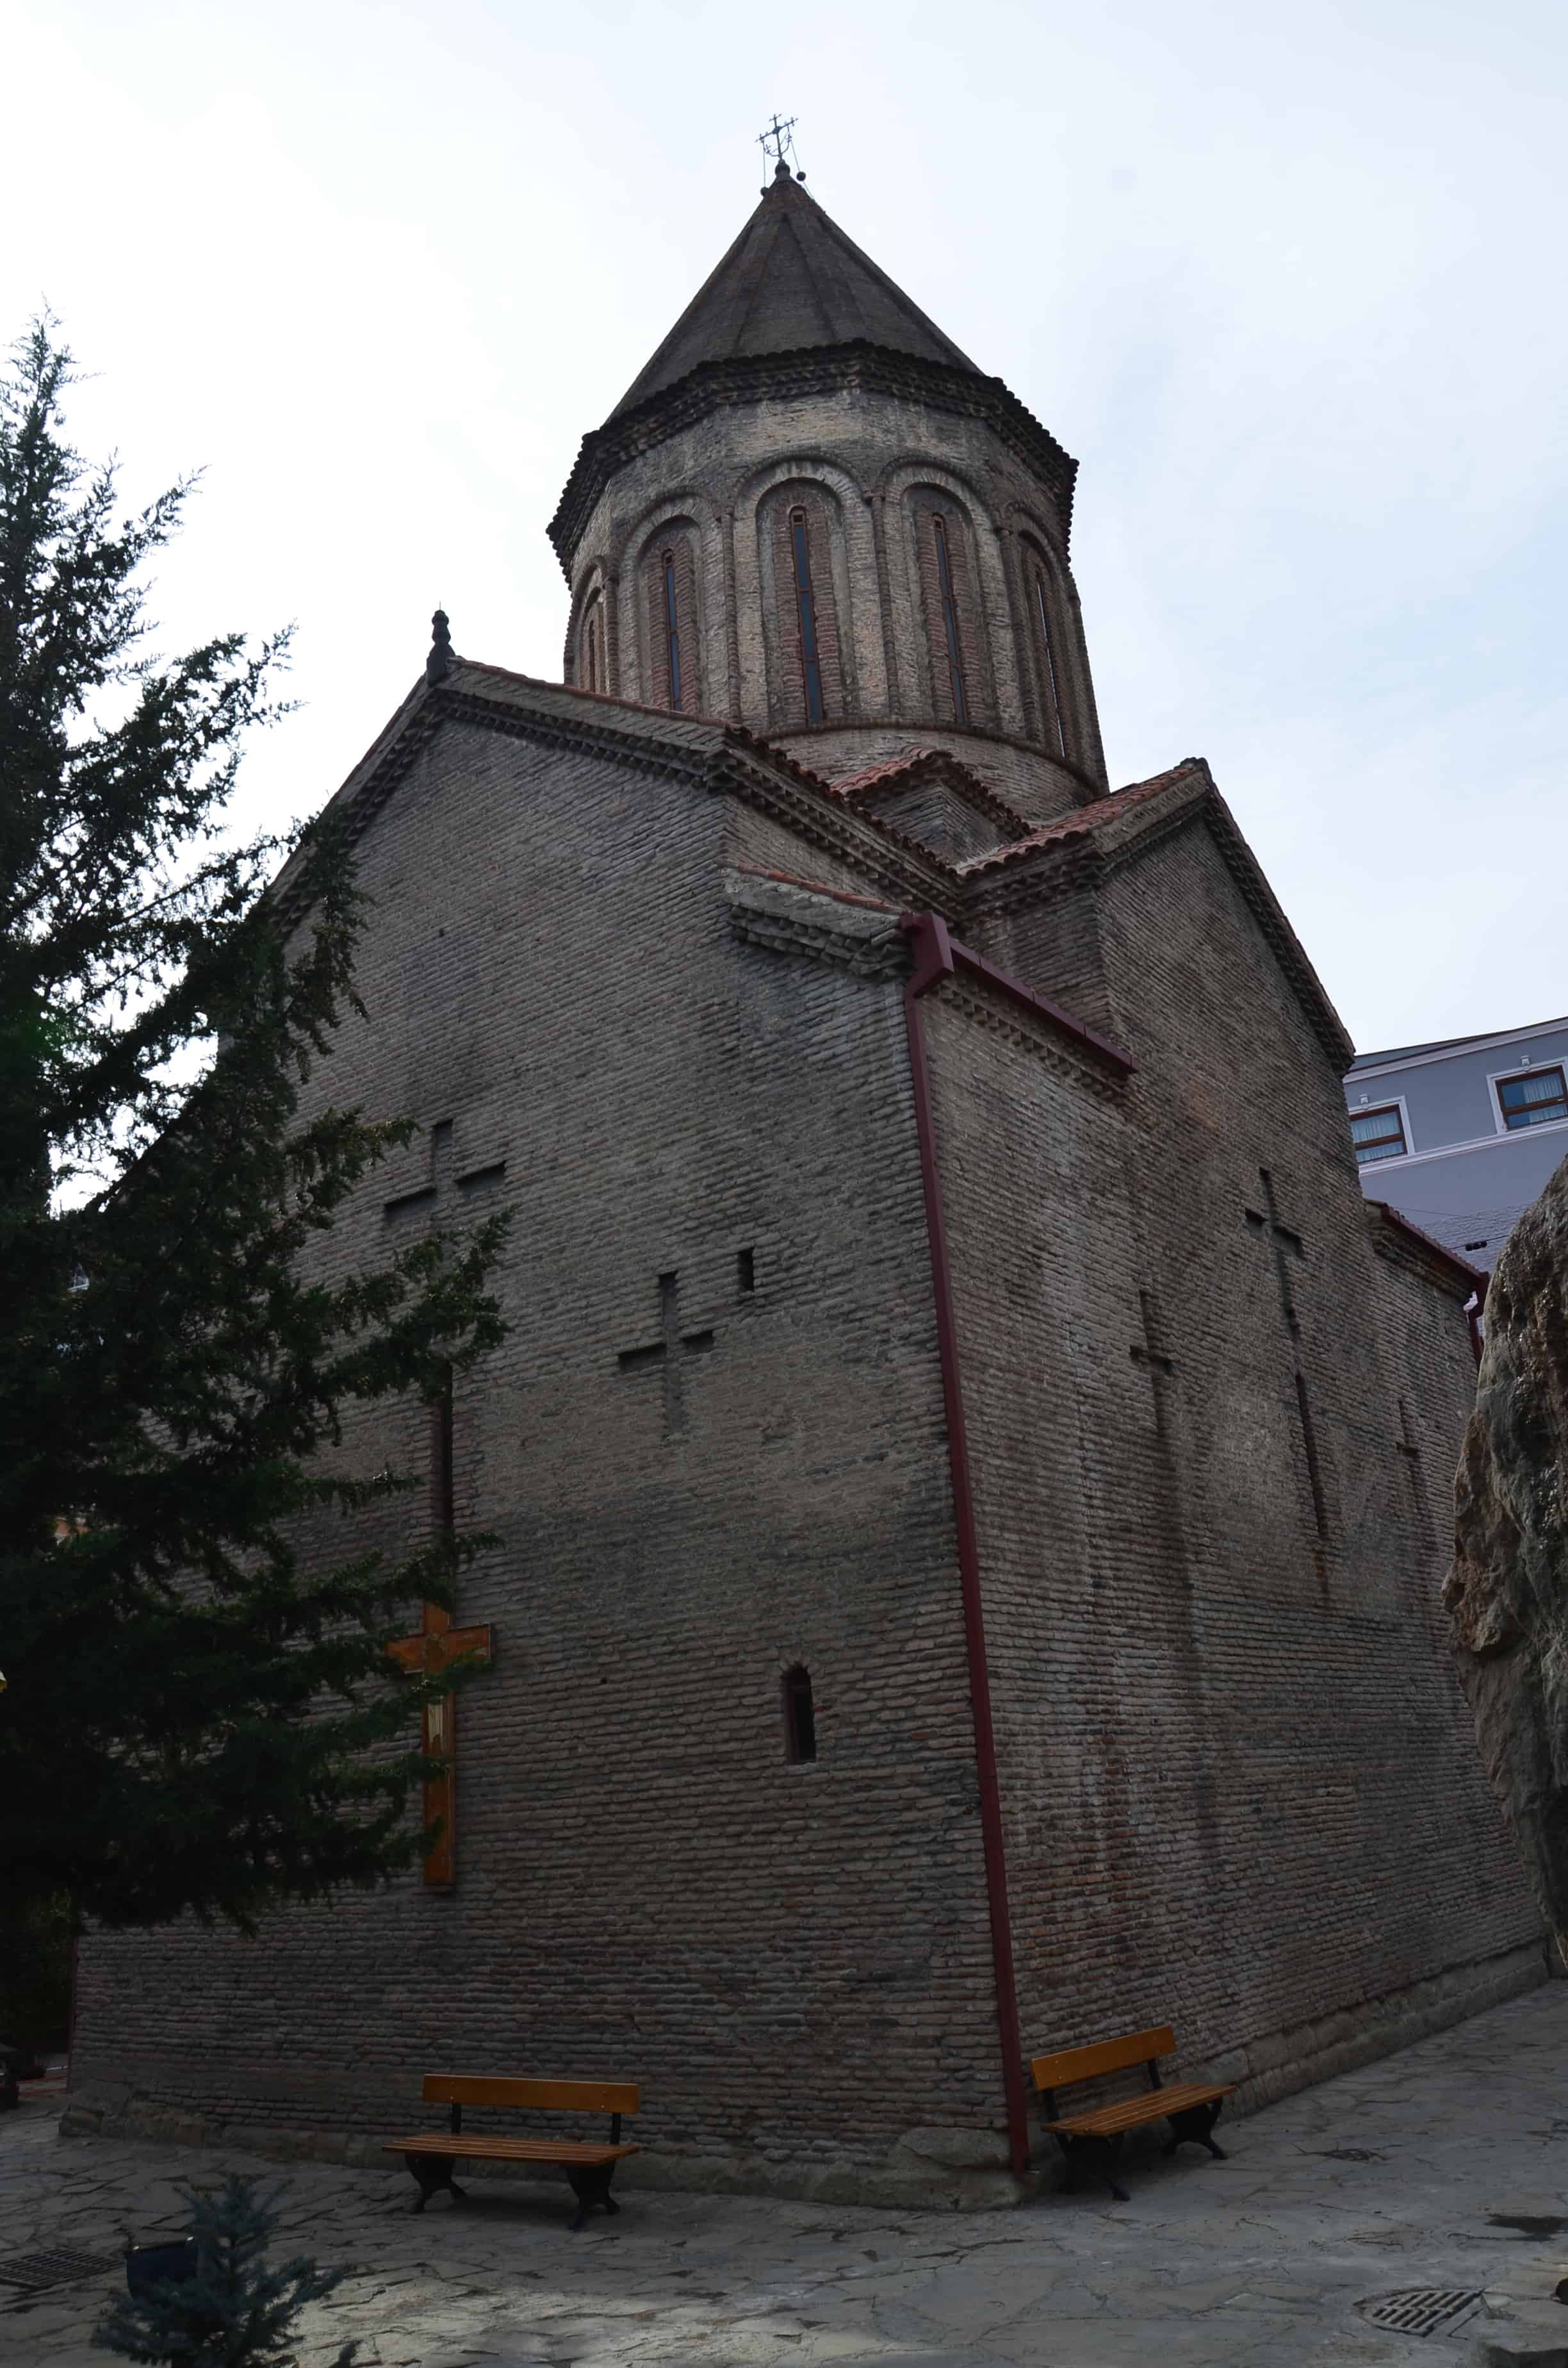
1461, 1136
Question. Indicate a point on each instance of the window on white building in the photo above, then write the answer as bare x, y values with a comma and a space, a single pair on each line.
1533, 1099
1378, 1134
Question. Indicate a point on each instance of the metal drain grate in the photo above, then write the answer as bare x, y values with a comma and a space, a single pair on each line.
1421, 2310
36, 2272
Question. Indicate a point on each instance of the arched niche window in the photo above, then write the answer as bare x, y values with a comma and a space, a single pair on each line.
958, 679
810, 671
800, 1716
670, 582
1041, 602
591, 647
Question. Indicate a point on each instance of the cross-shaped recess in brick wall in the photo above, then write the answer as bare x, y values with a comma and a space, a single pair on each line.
1150, 1352
670, 1352
1286, 1244
435, 1198
1408, 1446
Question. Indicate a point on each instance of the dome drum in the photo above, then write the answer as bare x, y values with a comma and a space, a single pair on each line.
836, 541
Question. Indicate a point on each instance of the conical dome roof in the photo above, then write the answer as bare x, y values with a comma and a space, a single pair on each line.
791, 281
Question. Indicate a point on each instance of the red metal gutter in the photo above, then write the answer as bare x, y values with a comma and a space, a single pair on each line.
938, 954
935, 956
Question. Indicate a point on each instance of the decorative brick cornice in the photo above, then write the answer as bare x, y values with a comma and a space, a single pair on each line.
815, 369
717, 758
790, 917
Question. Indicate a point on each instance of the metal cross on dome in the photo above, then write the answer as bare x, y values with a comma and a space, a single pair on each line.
776, 144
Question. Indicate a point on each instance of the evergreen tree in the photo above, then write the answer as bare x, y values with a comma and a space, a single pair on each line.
235, 2312
197, 1712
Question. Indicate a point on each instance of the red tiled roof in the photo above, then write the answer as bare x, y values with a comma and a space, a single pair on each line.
1087, 820
885, 772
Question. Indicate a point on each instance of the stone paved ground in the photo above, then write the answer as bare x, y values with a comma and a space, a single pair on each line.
1445, 2166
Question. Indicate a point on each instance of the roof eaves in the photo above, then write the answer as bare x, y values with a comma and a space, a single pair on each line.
1466, 1277
752, 376
711, 755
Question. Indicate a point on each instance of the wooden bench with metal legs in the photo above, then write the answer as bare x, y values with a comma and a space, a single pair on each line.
430, 2153
1191, 2107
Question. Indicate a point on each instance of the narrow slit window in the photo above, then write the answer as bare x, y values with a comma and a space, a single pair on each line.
671, 628
592, 668
800, 1717
745, 1270
1043, 613
805, 606
950, 618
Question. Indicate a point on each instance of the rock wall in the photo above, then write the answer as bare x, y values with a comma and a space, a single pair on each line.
1507, 1591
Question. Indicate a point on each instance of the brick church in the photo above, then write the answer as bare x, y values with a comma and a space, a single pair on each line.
974, 1473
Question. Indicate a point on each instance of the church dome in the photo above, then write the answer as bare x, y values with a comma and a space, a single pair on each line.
812, 514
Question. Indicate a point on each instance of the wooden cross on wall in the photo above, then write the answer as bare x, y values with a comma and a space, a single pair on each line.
439, 1644
436, 1647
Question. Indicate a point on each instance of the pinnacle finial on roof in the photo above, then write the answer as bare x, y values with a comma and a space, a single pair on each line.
438, 665
791, 281
777, 143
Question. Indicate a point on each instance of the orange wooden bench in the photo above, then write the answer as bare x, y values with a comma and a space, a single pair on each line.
1191, 2107
430, 2153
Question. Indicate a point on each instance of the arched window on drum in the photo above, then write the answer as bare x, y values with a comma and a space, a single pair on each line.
959, 682
810, 675
1045, 634
670, 597
591, 647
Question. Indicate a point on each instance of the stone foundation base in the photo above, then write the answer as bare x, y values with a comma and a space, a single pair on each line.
1278, 2065
920, 2172
936, 2169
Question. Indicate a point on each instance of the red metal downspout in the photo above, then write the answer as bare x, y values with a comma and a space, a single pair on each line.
933, 962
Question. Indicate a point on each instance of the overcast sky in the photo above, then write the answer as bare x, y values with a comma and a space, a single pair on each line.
1287, 279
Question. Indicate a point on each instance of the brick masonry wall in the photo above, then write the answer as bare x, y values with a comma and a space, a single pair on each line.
1241, 1788
1058, 947
792, 1960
